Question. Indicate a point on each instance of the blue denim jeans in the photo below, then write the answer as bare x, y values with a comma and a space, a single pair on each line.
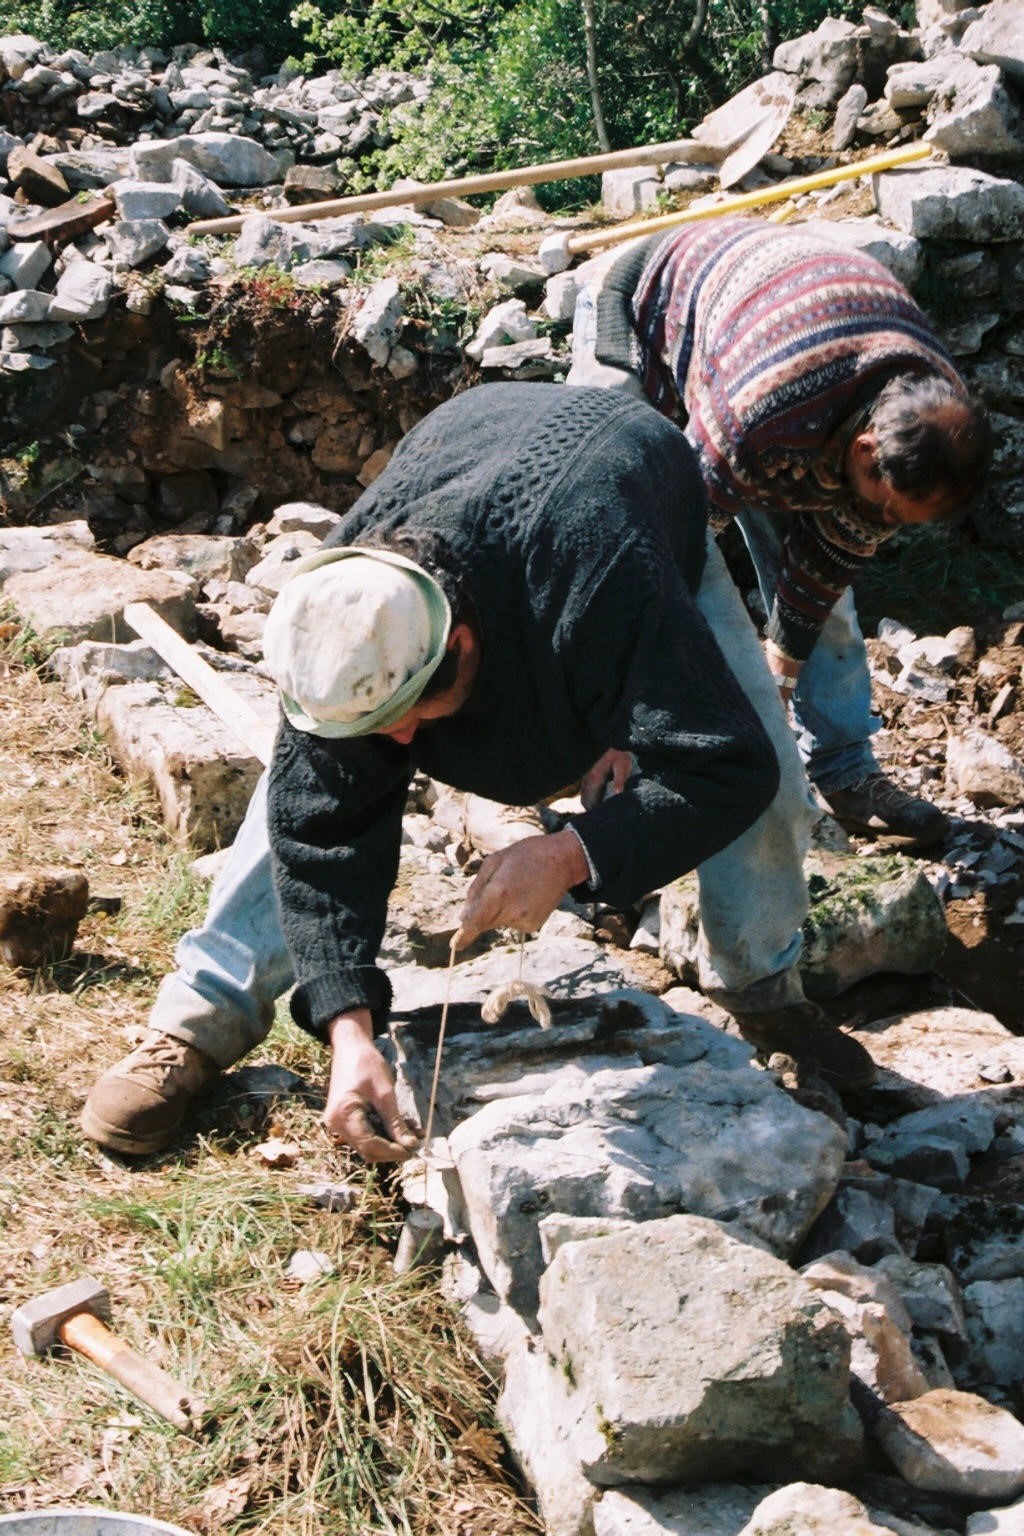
231, 971
832, 704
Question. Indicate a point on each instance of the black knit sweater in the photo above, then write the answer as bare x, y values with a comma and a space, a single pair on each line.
576, 518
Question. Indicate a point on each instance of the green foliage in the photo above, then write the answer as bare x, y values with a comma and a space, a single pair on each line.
399, 34
935, 578
159, 23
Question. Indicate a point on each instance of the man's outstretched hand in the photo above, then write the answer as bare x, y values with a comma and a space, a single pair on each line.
362, 1111
520, 886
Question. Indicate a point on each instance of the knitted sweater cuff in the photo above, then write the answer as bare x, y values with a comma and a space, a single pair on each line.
319, 1000
616, 344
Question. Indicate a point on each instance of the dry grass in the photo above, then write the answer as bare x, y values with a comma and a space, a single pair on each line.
347, 1405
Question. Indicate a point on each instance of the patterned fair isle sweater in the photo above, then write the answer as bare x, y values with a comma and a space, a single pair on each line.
561, 510
768, 345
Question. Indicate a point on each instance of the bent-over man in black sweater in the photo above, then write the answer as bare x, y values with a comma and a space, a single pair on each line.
513, 598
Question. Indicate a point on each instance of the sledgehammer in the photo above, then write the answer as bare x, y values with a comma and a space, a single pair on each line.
73, 1315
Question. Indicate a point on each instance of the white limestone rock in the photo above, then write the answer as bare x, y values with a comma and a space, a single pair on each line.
933, 1055
205, 556
145, 199
84, 291
536, 1412
996, 36
692, 1353
25, 263
951, 203
277, 559
83, 596
984, 769
718, 1509
507, 321
34, 549
721, 1140
302, 516
229, 159
375, 324
878, 1323
202, 774
807, 1509
954, 1442
133, 244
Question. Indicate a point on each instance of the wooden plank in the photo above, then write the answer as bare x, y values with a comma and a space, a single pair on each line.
59, 225
214, 689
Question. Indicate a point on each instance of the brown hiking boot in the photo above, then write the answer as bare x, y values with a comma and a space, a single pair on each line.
137, 1105
802, 1031
877, 805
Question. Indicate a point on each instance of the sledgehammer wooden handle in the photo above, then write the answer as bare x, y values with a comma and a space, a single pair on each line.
86, 1334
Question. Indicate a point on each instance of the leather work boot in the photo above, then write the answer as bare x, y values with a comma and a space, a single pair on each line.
138, 1104
802, 1031
877, 805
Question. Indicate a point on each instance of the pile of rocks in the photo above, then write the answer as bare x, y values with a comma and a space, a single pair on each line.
124, 95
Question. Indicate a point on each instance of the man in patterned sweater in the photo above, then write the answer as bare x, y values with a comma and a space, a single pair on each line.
825, 415
523, 587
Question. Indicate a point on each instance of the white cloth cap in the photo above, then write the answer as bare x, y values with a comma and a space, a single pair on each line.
353, 638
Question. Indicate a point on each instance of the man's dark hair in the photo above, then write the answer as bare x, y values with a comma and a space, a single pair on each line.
427, 550
929, 437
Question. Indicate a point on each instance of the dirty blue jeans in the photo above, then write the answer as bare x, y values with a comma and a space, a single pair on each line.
832, 702
753, 895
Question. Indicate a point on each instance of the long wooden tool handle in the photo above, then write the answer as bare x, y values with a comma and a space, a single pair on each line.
462, 186
237, 713
892, 158
86, 1334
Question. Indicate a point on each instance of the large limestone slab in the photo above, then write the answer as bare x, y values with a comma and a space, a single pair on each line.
692, 1353
943, 1052
996, 36
205, 556
563, 966
719, 1509
975, 115
951, 203
35, 549
720, 1139
229, 159
163, 736
954, 1442
537, 1414
807, 1509
598, 1021
82, 596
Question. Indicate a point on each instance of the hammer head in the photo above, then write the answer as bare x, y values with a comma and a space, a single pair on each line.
35, 1324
